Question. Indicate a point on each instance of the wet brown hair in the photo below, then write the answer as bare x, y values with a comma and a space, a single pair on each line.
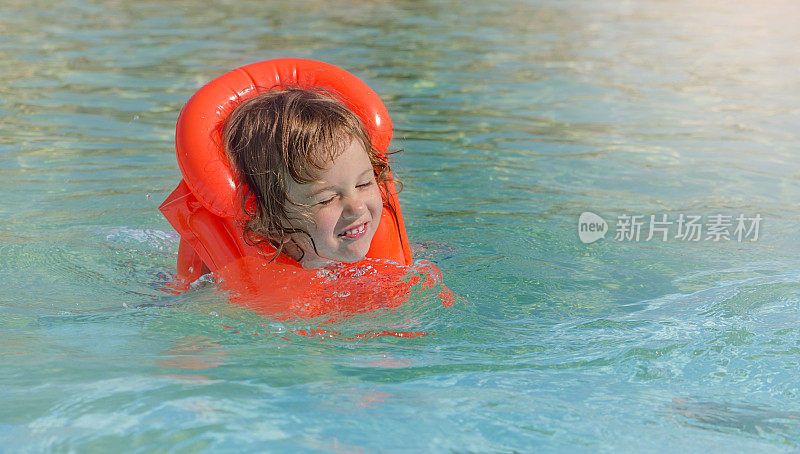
288, 132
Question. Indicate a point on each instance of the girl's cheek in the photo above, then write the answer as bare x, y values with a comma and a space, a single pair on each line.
326, 220
377, 201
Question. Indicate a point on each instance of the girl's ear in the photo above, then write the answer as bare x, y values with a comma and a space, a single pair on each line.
289, 247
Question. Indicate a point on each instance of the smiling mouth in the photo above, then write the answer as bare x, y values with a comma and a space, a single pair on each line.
355, 232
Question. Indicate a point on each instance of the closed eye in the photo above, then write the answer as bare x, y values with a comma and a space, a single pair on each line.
364, 185
326, 202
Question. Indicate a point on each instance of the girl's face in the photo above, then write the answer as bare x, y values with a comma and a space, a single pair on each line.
344, 208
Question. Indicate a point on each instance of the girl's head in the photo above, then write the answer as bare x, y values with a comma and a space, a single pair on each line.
309, 167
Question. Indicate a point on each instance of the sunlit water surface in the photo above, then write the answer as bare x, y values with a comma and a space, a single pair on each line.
514, 117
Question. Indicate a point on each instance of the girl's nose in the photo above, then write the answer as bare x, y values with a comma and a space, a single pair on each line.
354, 206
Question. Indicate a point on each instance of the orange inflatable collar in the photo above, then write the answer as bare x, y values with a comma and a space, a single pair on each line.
205, 210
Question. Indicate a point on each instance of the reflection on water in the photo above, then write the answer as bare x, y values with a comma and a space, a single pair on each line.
752, 420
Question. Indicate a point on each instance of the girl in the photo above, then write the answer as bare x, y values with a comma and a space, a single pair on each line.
312, 177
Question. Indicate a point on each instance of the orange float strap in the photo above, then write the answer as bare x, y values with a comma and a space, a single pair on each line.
205, 208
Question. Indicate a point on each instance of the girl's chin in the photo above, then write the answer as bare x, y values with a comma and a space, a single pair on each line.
316, 262
351, 252
355, 250
354, 256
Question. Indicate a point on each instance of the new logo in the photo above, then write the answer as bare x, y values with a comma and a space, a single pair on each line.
591, 227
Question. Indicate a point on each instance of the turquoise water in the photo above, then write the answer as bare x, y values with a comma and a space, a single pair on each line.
514, 117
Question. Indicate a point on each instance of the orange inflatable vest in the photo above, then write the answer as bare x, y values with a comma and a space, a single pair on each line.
205, 208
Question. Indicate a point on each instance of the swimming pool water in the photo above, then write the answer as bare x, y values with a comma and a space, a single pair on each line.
514, 118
